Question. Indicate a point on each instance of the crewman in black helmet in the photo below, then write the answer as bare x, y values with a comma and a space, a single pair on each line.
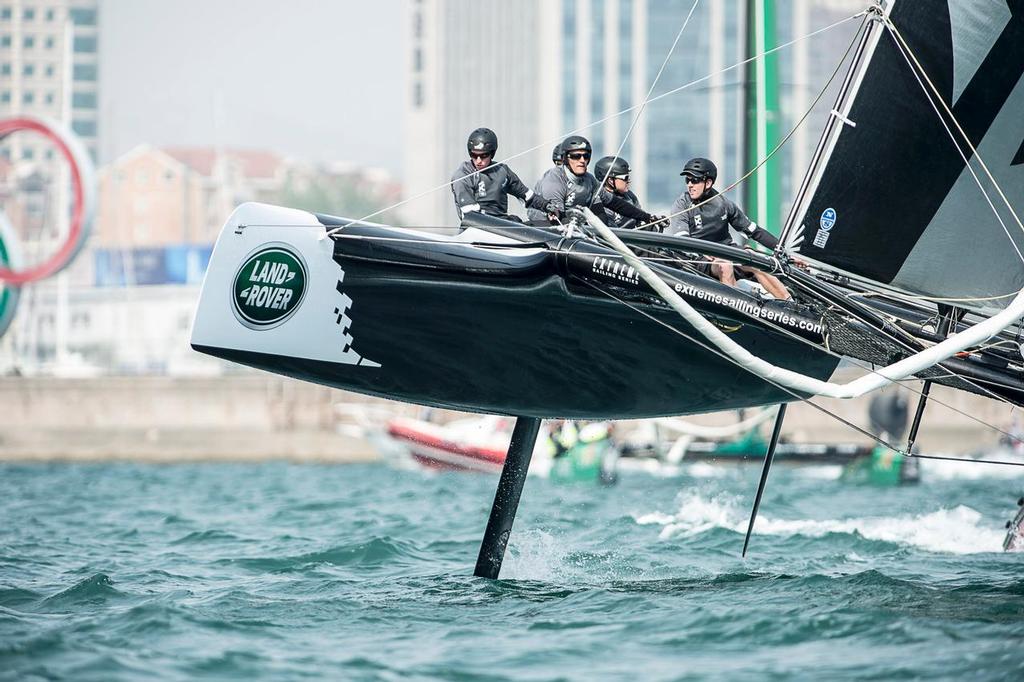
613, 174
701, 212
481, 185
570, 186
556, 154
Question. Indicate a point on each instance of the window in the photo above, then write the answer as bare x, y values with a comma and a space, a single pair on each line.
417, 94
5, 41
5, 69
29, 14
49, 98
85, 72
28, 153
5, 96
83, 16
49, 70
417, 60
83, 100
49, 42
85, 43
84, 128
28, 98
29, 42
5, 13
49, 15
28, 70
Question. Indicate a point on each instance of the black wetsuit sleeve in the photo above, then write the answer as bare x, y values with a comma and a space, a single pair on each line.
623, 207
763, 236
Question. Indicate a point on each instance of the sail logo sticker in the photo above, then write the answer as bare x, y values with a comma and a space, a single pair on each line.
269, 287
828, 219
827, 222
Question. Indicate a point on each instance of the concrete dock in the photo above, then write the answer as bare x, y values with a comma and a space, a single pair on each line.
255, 416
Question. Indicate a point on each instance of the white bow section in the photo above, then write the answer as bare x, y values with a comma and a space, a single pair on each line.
801, 382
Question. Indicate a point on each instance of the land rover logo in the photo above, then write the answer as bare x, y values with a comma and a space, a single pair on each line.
269, 287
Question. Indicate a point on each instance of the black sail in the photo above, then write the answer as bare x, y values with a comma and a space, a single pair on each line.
889, 197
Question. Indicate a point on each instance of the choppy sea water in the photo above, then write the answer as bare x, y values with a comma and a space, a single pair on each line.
282, 571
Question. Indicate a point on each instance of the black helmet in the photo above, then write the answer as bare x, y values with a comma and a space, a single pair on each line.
482, 140
556, 154
575, 143
618, 165
701, 169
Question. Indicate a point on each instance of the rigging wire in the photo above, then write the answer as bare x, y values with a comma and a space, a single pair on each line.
587, 126
788, 136
647, 97
708, 347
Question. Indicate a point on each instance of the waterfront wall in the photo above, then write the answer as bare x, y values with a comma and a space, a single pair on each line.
259, 416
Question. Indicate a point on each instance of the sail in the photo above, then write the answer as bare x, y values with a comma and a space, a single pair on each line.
889, 197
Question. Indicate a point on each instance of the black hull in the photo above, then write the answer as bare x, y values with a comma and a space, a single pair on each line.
474, 329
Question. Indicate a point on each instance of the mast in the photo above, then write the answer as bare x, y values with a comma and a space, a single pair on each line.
761, 104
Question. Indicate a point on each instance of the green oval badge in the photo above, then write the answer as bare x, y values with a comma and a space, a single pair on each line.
269, 287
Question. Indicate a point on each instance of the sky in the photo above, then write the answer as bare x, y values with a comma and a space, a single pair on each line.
313, 79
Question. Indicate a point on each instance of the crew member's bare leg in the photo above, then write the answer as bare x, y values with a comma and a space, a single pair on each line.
771, 284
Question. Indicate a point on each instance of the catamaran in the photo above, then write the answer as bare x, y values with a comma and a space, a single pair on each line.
902, 250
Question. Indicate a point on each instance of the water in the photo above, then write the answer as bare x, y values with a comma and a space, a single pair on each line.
277, 571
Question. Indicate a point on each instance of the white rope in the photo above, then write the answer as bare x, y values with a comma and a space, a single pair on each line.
794, 380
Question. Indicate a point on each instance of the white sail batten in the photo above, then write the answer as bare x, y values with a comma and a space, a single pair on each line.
802, 383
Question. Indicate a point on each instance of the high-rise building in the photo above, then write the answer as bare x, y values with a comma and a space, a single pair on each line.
49, 67
538, 70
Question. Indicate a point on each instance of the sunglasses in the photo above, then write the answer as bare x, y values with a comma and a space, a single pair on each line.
624, 178
576, 156
694, 181
480, 155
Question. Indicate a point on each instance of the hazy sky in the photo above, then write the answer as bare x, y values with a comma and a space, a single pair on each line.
319, 79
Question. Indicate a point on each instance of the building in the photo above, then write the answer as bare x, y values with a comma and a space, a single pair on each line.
158, 197
538, 70
49, 67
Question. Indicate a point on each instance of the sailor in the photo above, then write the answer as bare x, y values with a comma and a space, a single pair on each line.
481, 185
613, 173
570, 186
701, 212
556, 154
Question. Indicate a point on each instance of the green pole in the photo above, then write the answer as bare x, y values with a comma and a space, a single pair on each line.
761, 123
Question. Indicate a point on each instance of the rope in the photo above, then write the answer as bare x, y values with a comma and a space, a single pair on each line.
794, 394
627, 110
650, 90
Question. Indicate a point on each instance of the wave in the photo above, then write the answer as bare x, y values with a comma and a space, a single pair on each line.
373, 552
960, 530
96, 588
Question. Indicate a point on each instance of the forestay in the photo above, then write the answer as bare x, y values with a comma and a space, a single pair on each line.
890, 197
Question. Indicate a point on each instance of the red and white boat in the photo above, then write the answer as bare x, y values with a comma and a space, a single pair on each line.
470, 444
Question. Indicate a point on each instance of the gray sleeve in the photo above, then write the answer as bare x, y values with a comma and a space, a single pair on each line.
738, 220
517, 187
552, 189
679, 224
463, 189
